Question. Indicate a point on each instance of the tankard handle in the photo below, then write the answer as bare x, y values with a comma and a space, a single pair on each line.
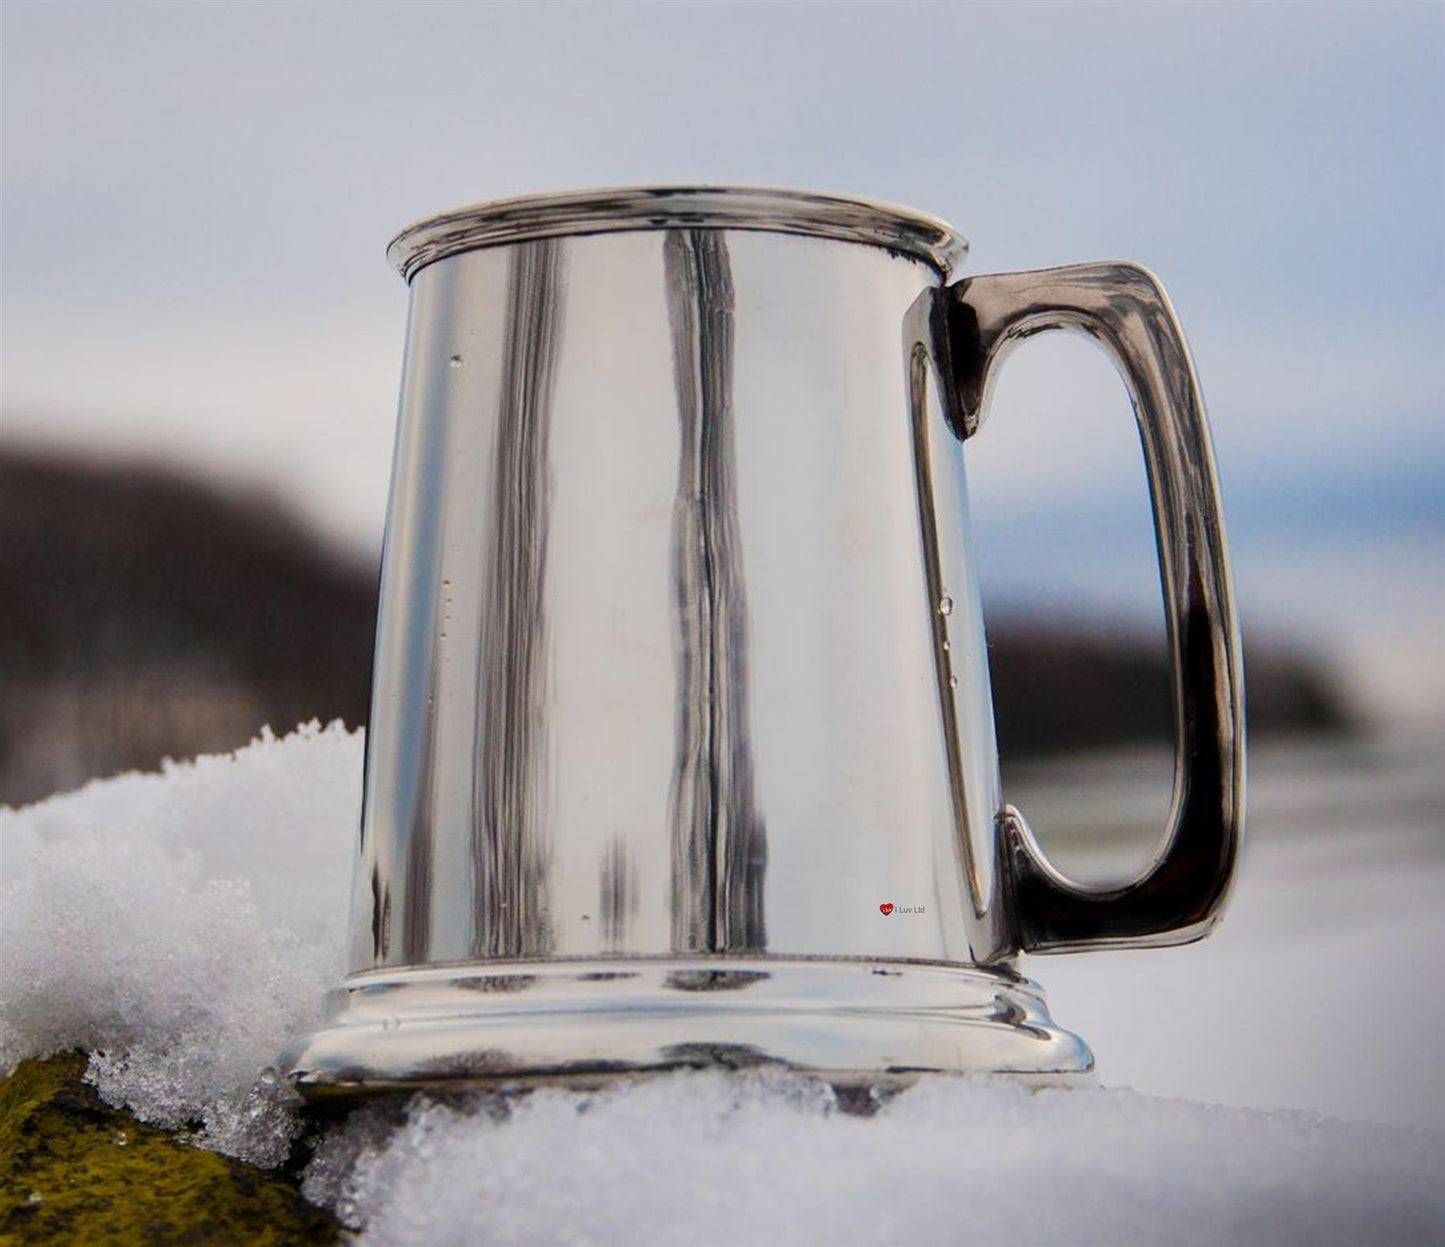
1179, 895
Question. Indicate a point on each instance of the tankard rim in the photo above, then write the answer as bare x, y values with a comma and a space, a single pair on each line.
840, 218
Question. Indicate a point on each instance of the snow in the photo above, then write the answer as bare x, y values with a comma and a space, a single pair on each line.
707, 1157
182, 927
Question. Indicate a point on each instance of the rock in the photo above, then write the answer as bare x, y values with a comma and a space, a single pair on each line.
73, 1170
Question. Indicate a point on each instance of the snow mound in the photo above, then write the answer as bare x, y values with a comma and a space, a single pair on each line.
180, 927
729, 1158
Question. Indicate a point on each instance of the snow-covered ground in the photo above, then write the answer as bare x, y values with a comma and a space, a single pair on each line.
183, 926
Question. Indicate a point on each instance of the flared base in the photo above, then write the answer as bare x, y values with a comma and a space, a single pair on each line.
513, 1024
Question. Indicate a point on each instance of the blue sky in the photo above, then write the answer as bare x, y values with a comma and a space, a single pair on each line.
194, 201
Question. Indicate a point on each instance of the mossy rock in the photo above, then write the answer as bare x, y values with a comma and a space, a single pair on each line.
74, 1170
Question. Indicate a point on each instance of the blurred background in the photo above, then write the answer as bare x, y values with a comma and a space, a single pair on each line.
200, 348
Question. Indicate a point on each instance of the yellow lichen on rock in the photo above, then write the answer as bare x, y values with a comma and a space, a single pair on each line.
72, 1169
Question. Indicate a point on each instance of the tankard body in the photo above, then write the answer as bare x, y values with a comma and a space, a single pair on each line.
681, 747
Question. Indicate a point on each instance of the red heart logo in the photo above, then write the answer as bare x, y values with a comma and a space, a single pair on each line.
886, 909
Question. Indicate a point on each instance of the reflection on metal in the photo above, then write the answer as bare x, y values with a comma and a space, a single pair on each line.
713, 979
506, 222
719, 847
380, 917
564, 1023
509, 831
416, 913
918, 376
681, 747
618, 895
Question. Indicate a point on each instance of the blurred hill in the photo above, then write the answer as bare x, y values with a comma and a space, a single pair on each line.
1065, 685
146, 614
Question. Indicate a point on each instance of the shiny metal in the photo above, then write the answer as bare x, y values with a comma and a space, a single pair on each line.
681, 745
504, 222
589, 1022
1179, 896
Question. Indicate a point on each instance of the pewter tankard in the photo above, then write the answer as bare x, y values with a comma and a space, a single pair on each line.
681, 747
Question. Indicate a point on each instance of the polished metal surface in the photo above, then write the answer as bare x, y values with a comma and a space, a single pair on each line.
681, 729
1122, 306
655, 666
528, 218
584, 1022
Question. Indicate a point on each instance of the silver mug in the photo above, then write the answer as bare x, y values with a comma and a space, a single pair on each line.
681, 747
